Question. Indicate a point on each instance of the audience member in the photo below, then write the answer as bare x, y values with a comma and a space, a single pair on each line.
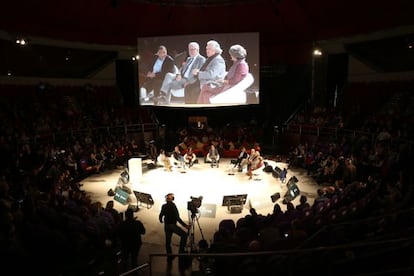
303, 203
130, 232
236, 73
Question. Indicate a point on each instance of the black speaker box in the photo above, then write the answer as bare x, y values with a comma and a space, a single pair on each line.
275, 197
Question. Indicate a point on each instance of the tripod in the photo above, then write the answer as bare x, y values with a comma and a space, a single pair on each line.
194, 218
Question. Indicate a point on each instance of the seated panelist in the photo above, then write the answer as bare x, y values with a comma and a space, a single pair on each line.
177, 156
190, 157
255, 161
164, 160
213, 156
243, 155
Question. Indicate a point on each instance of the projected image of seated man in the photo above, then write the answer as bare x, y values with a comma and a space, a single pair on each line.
236, 73
214, 68
184, 77
162, 64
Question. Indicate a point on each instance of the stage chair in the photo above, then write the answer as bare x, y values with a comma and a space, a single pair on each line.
234, 95
257, 172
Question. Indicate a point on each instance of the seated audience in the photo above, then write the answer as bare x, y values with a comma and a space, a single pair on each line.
303, 203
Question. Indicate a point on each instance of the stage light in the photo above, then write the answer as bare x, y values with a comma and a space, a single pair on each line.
275, 197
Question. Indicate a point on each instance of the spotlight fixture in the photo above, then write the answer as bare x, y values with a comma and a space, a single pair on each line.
317, 52
21, 41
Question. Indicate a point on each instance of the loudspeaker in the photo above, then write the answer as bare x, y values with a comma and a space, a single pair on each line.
268, 169
293, 190
275, 197
276, 172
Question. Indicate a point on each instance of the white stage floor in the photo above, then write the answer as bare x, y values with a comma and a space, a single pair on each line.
200, 180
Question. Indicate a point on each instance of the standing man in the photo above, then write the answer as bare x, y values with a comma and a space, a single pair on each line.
214, 68
184, 76
163, 64
130, 231
170, 216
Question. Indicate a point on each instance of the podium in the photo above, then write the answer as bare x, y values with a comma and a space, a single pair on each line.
135, 170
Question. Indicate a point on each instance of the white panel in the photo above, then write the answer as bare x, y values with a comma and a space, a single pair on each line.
135, 170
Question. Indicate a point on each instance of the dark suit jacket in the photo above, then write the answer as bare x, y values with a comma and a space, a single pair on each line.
168, 66
197, 63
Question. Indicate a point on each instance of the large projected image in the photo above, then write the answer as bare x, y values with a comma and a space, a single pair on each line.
199, 70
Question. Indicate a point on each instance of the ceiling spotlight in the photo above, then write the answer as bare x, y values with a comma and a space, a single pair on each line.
21, 41
317, 52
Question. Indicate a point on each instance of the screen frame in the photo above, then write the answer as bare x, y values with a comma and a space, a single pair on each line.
177, 45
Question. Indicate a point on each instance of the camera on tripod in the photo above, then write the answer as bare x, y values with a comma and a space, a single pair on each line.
194, 204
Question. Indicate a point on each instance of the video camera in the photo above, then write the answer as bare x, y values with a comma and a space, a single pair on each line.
194, 204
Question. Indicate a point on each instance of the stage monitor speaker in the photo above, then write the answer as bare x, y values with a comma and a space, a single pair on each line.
230, 200
275, 197
111, 192
293, 190
144, 198
276, 172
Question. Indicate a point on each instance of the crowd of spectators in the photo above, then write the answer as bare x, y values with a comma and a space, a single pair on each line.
48, 143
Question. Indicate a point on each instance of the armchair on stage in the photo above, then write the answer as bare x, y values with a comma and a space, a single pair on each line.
234, 95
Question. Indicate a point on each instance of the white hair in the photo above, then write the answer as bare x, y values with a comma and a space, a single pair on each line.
216, 46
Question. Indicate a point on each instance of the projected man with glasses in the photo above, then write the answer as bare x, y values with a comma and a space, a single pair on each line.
183, 77
214, 68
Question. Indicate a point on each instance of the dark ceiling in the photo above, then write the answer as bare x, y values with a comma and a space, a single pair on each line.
281, 23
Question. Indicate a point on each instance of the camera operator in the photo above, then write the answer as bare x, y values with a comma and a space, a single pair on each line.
170, 216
